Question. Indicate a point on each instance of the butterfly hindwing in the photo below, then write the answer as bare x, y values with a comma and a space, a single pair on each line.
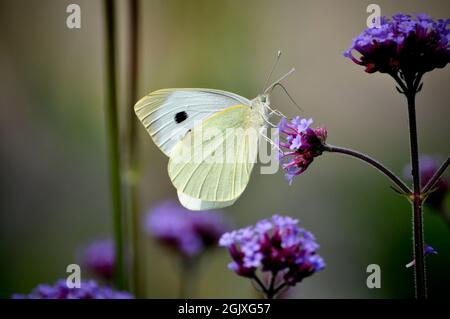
198, 204
213, 162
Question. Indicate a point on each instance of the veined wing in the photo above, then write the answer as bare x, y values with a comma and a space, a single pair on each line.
168, 114
214, 161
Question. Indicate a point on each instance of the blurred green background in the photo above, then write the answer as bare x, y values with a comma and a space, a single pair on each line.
54, 183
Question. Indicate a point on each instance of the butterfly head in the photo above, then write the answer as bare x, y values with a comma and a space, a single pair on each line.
263, 98
262, 104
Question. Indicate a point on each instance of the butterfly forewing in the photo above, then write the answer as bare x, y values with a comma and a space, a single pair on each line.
168, 114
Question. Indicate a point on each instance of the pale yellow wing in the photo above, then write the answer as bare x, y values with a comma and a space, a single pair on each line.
214, 161
198, 204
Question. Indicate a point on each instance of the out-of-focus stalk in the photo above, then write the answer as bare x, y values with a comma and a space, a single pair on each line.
132, 160
112, 123
188, 277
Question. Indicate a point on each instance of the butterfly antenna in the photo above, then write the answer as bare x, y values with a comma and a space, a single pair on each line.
287, 93
278, 81
273, 69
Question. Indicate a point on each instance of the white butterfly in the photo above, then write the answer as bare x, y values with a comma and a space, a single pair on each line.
175, 117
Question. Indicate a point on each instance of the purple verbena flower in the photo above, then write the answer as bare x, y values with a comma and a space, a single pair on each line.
187, 232
299, 144
277, 246
428, 165
405, 44
98, 258
88, 290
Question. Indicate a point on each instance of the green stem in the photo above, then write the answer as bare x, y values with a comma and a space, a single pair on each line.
133, 151
113, 141
188, 276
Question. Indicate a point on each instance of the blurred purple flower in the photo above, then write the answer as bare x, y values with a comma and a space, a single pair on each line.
98, 257
427, 250
277, 246
428, 165
88, 290
403, 44
299, 144
187, 232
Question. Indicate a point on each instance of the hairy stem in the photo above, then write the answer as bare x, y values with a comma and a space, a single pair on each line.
418, 238
113, 141
369, 160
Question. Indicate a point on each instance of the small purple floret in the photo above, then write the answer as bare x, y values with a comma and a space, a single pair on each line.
299, 145
88, 290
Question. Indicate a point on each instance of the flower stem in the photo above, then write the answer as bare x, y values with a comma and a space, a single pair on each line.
410, 87
281, 286
369, 160
271, 292
188, 276
418, 240
113, 141
435, 178
132, 160
260, 284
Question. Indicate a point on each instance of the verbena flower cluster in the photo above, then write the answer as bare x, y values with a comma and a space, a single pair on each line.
428, 165
275, 245
299, 144
404, 43
98, 258
88, 290
187, 232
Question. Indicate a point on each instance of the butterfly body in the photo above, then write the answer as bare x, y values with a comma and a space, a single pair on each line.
261, 106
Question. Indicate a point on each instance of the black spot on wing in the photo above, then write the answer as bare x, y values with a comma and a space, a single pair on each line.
180, 117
